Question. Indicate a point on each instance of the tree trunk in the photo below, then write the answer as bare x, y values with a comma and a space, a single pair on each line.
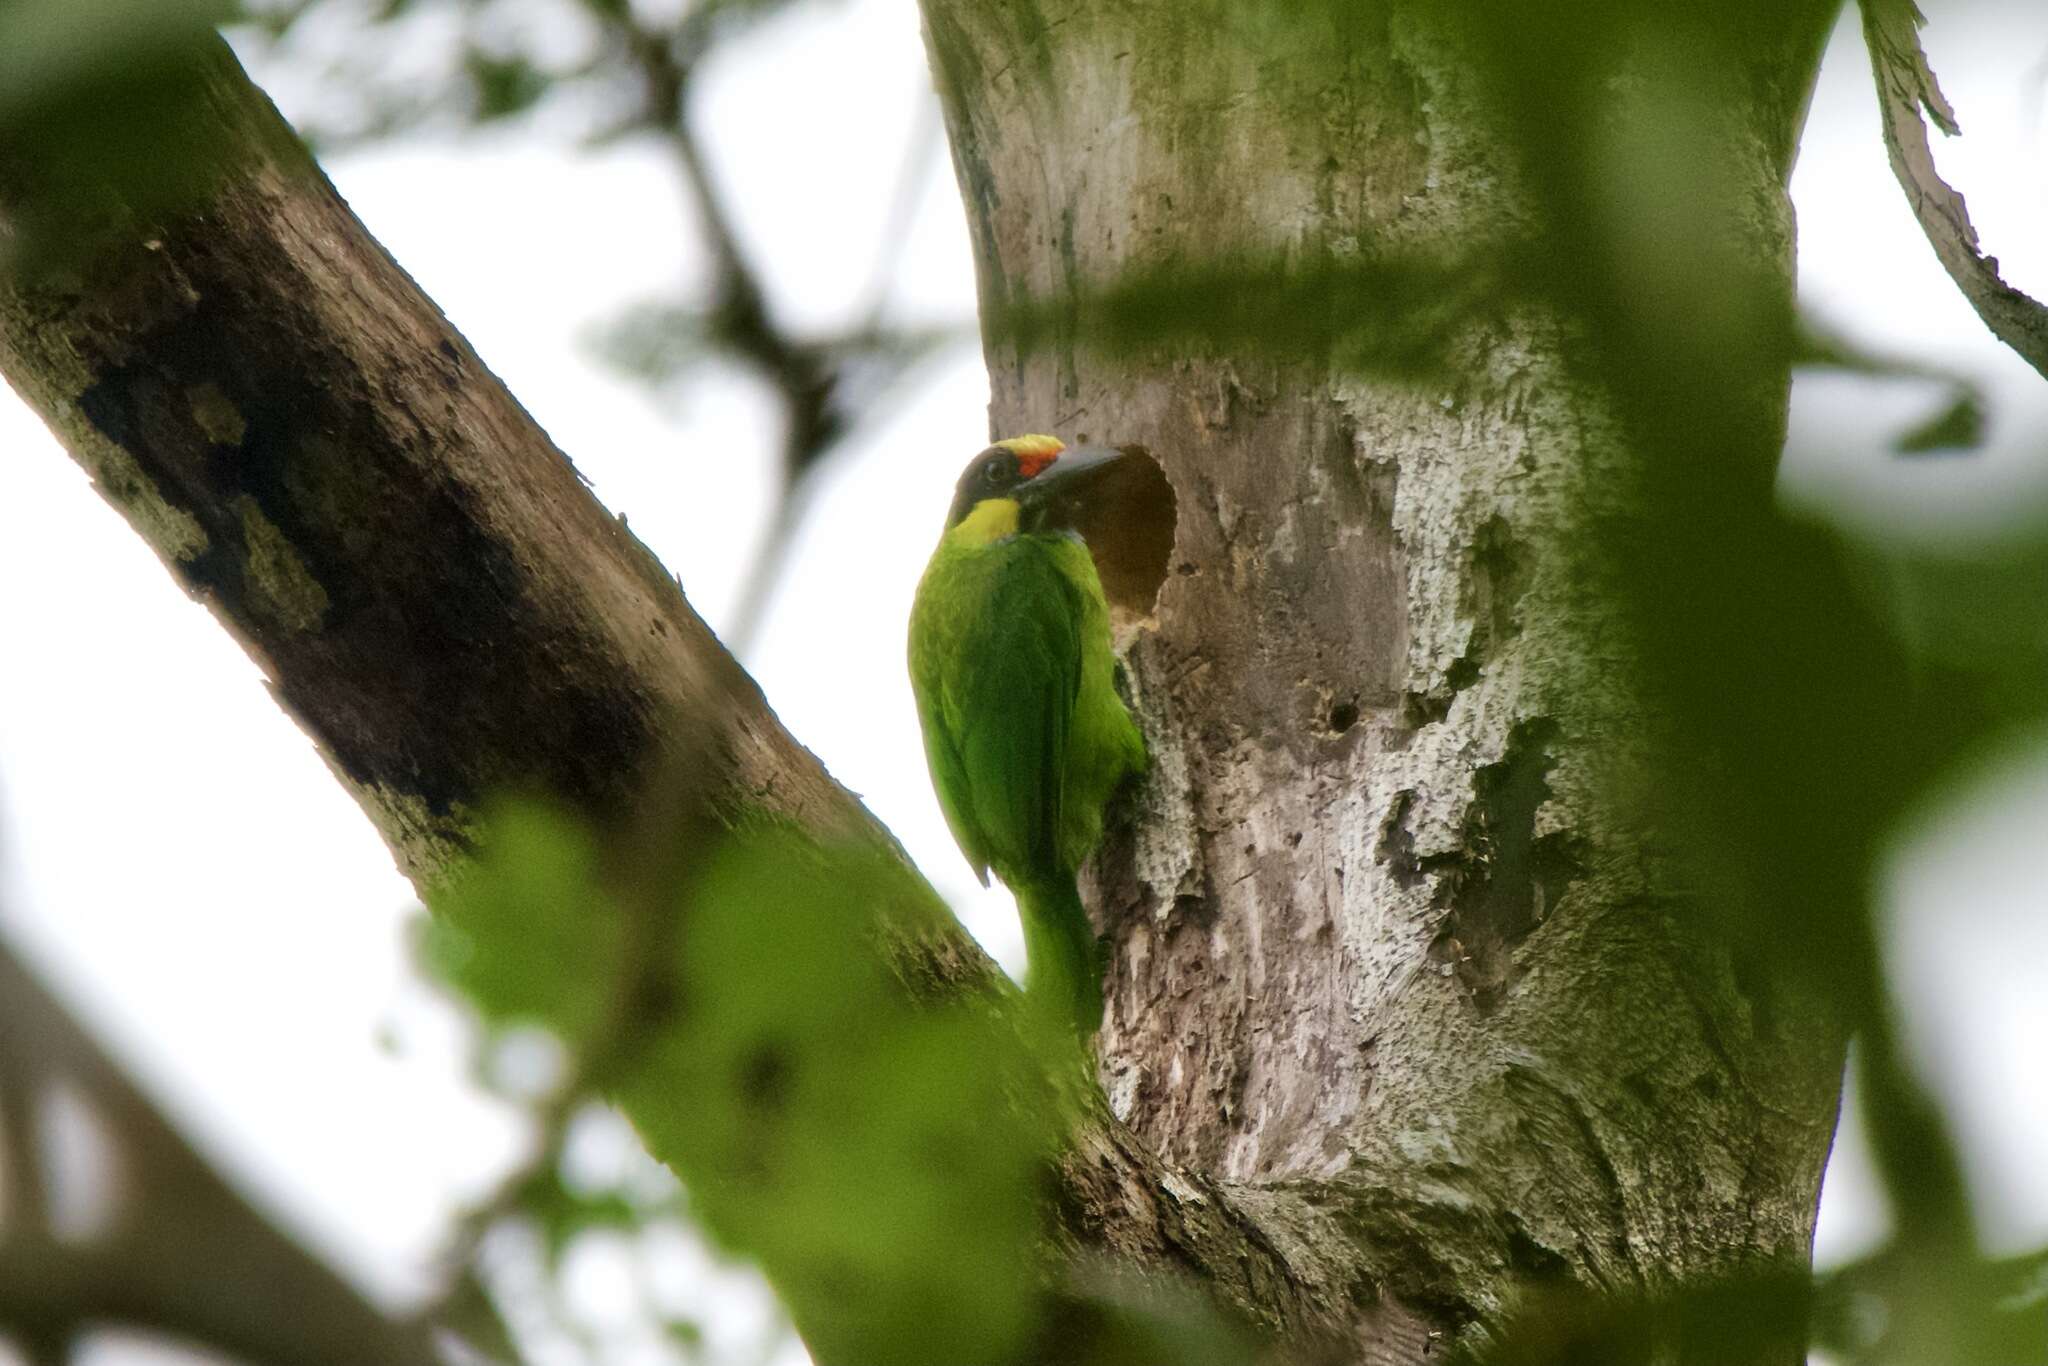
1379, 927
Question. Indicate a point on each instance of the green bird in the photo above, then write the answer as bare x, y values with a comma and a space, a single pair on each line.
1024, 733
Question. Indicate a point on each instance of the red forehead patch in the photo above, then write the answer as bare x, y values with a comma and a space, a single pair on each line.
1029, 465
1033, 453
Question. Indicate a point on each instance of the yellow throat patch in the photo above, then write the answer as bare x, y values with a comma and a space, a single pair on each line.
990, 520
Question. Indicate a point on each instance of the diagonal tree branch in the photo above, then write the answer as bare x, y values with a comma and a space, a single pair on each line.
437, 598
1905, 87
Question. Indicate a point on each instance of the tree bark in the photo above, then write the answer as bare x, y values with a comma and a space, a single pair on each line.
315, 454
1382, 930
321, 459
1407, 1010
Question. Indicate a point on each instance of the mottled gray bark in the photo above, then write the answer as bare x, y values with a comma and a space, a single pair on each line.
1383, 934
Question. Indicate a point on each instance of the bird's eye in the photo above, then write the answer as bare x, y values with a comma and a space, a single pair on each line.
995, 470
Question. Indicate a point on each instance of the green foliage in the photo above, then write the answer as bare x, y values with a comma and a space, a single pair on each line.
1128, 1319
1760, 1317
1391, 317
561, 1214
47, 47
1812, 714
529, 936
1904, 1306
877, 1158
96, 101
504, 85
1956, 426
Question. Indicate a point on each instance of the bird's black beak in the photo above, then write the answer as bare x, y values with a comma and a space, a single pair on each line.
1057, 492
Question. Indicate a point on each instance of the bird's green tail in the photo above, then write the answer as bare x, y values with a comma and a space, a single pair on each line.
1065, 969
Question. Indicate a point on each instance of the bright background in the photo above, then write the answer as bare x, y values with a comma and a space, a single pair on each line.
179, 863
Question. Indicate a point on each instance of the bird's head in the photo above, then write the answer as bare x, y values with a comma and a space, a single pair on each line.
1025, 483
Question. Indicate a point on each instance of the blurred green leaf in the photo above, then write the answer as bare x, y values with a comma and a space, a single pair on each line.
528, 935
104, 119
1904, 1304
1743, 1318
877, 1158
49, 48
561, 1214
1817, 693
502, 85
1391, 316
1958, 427
1127, 1318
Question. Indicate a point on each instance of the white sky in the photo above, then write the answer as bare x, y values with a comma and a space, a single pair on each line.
178, 859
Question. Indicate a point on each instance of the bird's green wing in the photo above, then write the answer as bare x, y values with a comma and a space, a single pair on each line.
1017, 706
932, 648
1000, 697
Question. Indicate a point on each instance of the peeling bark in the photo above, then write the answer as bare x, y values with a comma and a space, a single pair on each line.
1906, 86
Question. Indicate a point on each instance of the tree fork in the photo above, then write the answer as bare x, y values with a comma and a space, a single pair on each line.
435, 596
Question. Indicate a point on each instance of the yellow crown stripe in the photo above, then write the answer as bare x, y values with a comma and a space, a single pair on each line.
1039, 445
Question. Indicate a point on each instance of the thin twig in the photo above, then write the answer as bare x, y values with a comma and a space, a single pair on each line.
918, 155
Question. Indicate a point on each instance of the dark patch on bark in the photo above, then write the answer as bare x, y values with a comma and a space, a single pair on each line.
420, 661
1499, 579
1423, 709
1419, 709
1397, 843
1397, 848
1405, 1240
1505, 883
1066, 330
1462, 674
1530, 1259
